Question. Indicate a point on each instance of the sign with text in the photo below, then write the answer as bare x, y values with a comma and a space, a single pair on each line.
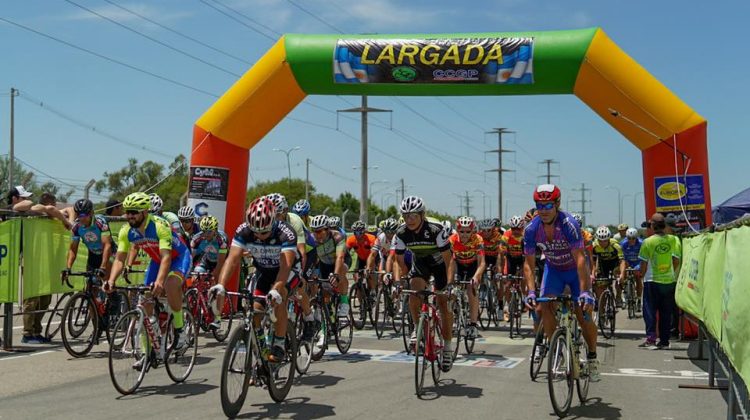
207, 191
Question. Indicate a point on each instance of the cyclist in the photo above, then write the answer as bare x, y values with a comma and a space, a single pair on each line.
468, 263
334, 222
361, 242
429, 244
622, 230
631, 248
170, 257
557, 233
272, 243
97, 237
330, 247
157, 205
492, 246
190, 228
512, 256
302, 209
608, 258
588, 241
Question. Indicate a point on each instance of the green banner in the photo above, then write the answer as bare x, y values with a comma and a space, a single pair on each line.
713, 284
689, 294
45, 248
10, 247
734, 303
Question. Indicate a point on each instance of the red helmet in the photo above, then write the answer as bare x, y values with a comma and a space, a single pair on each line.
547, 192
260, 214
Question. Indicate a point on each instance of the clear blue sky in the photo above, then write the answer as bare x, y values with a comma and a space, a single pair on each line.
698, 50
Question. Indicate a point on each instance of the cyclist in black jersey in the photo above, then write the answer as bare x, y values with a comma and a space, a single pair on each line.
431, 251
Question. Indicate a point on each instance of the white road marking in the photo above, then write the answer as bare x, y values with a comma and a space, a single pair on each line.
26, 355
401, 357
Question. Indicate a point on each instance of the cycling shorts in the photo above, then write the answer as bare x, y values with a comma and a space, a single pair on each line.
466, 272
265, 278
515, 266
437, 271
180, 267
554, 282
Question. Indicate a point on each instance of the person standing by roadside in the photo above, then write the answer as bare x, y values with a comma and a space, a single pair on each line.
660, 255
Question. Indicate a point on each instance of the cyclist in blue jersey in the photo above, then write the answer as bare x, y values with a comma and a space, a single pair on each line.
631, 248
94, 230
209, 246
302, 209
190, 227
170, 257
559, 236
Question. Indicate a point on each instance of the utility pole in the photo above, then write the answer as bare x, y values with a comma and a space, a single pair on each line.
549, 175
307, 180
500, 131
468, 205
8, 310
583, 201
402, 189
364, 110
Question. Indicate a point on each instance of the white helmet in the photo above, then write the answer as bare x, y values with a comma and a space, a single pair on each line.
486, 224
465, 222
156, 203
412, 204
447, 225
603, 233
516, 222
279, 202
578, 218
319, 222
631, 233
186, 212
334, 222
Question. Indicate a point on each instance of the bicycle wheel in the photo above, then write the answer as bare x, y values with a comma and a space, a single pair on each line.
281, 375
514, 318
128, 359
179, 362
236, 370
420, 359
437, 365
304, 348
54, 320
320, 339
559, 373
536, 361
603, 318
396, 309
468, 342
118, 304
495, 307
458, 327
582, 382
227, 315
80, 329
357, 306
485, 301
381, 311
343, 332
406, 324
630, 299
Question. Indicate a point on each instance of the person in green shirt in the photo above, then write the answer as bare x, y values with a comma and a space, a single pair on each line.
660, 255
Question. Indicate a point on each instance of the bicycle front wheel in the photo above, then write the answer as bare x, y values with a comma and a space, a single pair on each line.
128, 355
180, 361
343, 332
80, 329
357, 306
538, 353
381, 311
54, 321
605, 310
559, 373
236, 370
582, 382
320, 339
227, 314
118, 304
420, 359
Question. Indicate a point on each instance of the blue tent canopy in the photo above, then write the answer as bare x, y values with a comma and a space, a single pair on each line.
734, 208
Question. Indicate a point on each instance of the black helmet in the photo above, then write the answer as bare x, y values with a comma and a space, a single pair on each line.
83, 206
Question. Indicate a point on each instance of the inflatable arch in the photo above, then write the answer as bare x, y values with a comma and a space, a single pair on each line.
585, 62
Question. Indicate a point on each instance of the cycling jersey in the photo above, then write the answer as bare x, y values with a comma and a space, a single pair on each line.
427, 245
558, 250
492, 242
296, 223
156, 235
335, 243
266, 252
362, 245
608, 258
202, 247
512, 246
466, 253
382, 245
92, 234
630, 252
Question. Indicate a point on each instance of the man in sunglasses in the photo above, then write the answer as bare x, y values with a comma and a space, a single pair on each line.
559, 236
468, 263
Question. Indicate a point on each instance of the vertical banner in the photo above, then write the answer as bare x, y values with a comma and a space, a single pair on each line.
689, 293
45, 249
713, 284
207, 191
10, 249
688, 194
734, 302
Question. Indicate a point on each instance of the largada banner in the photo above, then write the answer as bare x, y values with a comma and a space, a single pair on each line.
462, 61
684, 192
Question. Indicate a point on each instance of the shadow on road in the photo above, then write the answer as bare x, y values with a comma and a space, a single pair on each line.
317, 380
293, 408
450, 388
181, 390
594, 409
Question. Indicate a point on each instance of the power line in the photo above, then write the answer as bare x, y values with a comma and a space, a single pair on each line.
277, 34
110, 59
328, 171
315, 17
455, 111
174, 31
46, 174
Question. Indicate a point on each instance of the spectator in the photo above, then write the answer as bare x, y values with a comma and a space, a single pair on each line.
18, 199
660, 255
48, 205
113, 208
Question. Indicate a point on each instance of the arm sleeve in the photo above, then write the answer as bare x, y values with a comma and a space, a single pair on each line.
619, 251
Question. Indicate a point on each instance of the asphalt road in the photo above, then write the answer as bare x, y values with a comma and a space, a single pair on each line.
374, 381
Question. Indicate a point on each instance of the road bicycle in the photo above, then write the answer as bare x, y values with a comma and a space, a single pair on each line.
489, 306
198, 303
429, 345
460, 299
630, 292
607, 310
361, 301
325, 305
515, 305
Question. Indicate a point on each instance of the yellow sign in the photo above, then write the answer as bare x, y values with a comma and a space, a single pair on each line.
671, 191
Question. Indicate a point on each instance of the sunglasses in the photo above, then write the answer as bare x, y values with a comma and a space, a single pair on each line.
319, 231
545, 206
464, 232
132, 212
410, 215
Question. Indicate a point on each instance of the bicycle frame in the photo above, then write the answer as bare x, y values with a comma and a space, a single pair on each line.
567, 320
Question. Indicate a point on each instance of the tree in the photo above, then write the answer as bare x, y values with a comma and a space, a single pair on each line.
28, 179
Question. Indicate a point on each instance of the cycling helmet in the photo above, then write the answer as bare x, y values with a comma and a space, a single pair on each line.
136, 201
209, 223
465, 222
400, 220
279, 202
631, 233
603, 233
302, 207
486, 224
358, 226
530, 215
389, 225
156, 203
412, 204
186, 213
260, 214
516, 222
83, 207
496, 222
622, 226
372, 229
547, 192
578, 218
334, 222
319, 222
447, 225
